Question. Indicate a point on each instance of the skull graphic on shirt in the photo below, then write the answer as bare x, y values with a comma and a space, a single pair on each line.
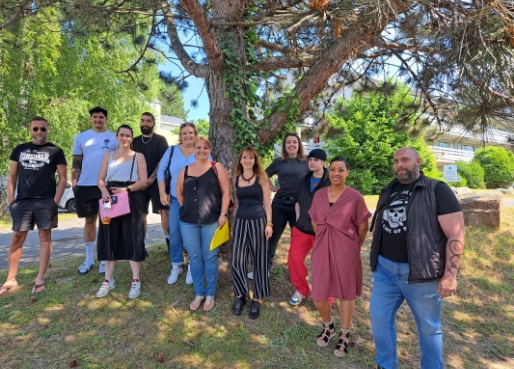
396, 214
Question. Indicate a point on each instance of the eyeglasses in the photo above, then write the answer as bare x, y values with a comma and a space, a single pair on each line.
35, 129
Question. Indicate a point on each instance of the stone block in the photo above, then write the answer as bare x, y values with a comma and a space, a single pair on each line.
481, 208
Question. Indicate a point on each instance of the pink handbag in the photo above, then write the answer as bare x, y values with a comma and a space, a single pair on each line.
119, 206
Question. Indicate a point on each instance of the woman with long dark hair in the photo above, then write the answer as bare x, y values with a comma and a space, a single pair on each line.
290, 168
252, 229
122, 238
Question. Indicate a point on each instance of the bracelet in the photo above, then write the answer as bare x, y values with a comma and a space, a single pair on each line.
128, 189
269, 224
224, 214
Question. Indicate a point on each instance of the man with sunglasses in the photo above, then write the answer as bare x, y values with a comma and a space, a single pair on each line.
32, 178
89, 148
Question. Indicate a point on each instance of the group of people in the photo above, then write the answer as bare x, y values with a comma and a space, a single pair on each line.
416, 250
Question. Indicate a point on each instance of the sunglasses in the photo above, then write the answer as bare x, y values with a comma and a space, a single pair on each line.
35, 129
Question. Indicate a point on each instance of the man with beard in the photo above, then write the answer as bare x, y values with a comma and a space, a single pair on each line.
89, 148
33, 168
153, 147
416, 252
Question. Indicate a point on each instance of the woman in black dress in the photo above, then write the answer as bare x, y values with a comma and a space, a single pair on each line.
122, 170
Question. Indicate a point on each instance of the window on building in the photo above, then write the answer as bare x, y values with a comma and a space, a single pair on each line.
443, 144
468, 148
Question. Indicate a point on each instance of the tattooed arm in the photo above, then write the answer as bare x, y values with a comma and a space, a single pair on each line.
76, 169
453, 227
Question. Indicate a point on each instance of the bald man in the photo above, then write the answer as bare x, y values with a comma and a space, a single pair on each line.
418, 241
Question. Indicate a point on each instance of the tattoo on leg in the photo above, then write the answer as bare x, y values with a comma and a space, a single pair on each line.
455, 247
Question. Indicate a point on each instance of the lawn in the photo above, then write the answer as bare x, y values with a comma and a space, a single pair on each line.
67, 326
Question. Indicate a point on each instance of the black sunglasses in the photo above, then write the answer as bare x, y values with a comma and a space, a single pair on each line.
35, 129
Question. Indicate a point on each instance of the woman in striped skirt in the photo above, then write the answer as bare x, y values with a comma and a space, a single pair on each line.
252, 230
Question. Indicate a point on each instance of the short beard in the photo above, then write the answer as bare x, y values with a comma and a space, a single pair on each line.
408, 177
146, 130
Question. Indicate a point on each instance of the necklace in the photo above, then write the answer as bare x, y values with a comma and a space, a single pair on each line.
249, 179
143, 139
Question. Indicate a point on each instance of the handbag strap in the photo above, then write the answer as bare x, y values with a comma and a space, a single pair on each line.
213, 165
171, 155
132, 167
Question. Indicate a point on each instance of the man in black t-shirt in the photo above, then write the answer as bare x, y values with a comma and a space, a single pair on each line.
33, 167
418, 241
153, 147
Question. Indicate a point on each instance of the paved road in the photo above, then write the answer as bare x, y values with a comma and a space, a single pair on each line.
67, 240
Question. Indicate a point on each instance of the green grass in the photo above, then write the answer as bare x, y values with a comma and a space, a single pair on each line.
67, 322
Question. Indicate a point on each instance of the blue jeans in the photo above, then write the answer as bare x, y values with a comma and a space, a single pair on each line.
202, 261
390, 288
176, 243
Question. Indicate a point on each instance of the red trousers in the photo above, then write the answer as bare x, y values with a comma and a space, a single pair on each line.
301, 245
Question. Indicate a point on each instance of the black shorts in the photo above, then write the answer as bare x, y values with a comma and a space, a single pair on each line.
86, 198
27, 212
152, 193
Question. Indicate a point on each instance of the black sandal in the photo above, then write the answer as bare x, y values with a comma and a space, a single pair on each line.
342, 345
326, 334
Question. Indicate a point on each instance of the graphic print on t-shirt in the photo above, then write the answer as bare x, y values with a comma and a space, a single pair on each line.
34, 159
394, 218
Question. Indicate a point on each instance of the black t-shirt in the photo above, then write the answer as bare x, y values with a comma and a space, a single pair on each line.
37, 165
153, 150
250, 201
394, 218
289, 175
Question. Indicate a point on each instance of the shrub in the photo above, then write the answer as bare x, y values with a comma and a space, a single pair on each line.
498, 165
472, 172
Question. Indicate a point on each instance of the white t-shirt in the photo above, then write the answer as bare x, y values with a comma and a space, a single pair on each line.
92, 146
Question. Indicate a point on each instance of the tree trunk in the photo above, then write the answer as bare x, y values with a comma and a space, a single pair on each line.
221, 103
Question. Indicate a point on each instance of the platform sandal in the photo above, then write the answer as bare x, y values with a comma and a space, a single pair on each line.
343, 343
329, 331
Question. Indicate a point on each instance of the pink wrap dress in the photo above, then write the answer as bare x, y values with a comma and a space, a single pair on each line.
336, 265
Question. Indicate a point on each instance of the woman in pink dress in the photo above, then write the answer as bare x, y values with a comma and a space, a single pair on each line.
340, 219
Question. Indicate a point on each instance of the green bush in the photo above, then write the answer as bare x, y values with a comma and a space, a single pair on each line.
498, 165
362, 180
472, 172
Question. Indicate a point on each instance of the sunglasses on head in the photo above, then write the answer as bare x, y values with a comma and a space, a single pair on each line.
35, 129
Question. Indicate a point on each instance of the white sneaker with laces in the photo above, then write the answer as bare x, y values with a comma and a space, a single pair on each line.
101, 268
175, 272
135, 290
250, 275
106, 287
189, 276
85, 268
296, 299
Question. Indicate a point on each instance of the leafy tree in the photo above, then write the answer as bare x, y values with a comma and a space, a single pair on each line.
364, 130
449, 52
44, 71
498, 165
202, 128
472, 172
172, 101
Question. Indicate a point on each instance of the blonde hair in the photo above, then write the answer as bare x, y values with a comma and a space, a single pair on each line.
204, 139
258, 169
301, 151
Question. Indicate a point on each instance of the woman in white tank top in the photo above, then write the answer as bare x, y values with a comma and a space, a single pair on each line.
123, 238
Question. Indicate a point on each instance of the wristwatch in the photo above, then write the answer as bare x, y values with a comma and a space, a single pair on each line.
128, 189
225, 214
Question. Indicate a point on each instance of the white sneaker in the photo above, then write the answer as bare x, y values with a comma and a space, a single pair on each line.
135, 290
189, 276
296, 299
175, 272
101, 268
250, 275
106, 287
85, 268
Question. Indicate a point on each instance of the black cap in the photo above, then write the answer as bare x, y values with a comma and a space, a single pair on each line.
98, 109
319, 154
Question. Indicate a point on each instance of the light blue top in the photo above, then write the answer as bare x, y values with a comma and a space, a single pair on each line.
178, 162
